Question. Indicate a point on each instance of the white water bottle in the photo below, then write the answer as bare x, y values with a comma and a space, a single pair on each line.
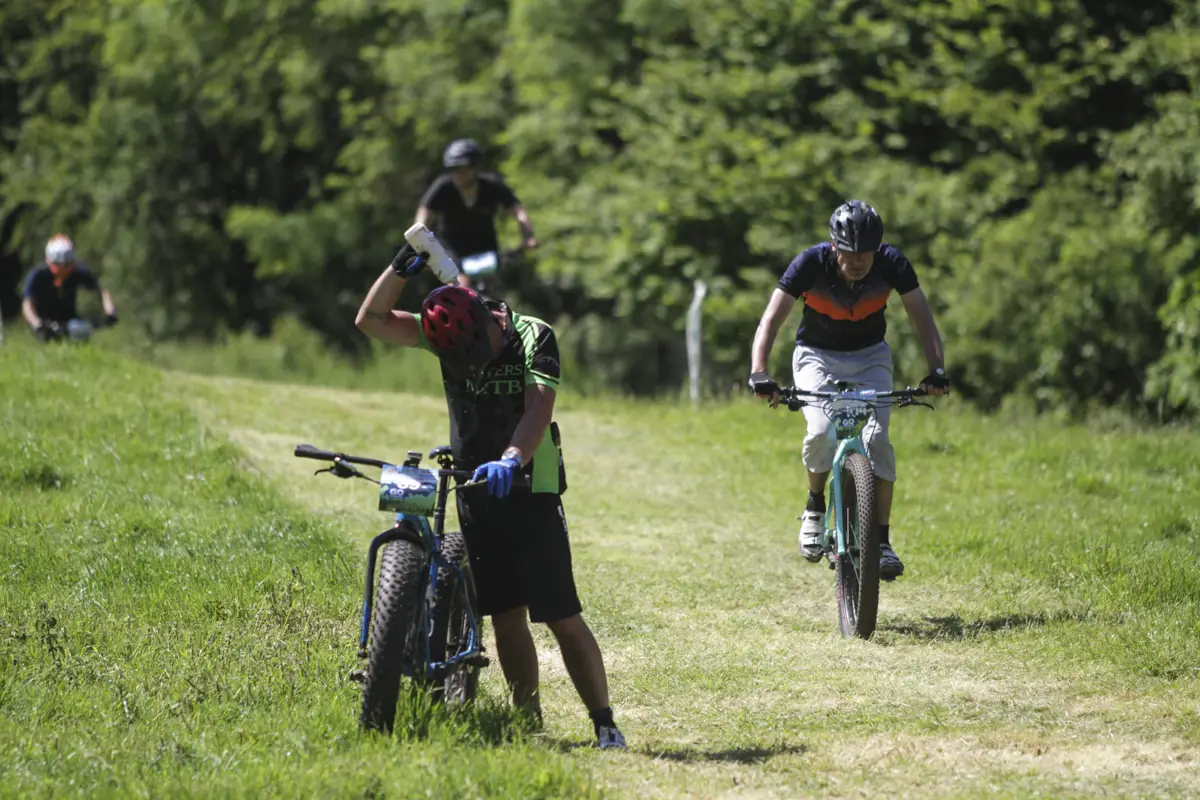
423, 240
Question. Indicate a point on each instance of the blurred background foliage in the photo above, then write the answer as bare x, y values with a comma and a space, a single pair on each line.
231, 167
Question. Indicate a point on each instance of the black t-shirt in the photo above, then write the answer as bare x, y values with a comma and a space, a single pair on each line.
484, 415
468, 229
57, 303
838, 316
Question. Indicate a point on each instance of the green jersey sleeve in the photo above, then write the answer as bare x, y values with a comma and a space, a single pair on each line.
542, 367
422, 342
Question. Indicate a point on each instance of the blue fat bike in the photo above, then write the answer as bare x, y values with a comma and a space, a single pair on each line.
851, 540
419, 619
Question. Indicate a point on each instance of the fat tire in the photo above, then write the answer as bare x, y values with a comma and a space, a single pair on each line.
858, 591
398, 591
452, 603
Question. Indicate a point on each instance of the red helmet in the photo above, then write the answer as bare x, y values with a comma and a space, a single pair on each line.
456, 323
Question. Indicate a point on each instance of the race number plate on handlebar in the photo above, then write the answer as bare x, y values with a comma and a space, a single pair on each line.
481, 264
408, 490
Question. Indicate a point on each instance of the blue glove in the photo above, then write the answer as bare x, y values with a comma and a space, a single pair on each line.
499, 475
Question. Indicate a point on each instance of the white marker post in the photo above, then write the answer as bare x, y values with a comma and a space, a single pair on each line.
694, 339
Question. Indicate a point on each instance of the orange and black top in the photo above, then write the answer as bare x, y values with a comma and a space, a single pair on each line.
842, 316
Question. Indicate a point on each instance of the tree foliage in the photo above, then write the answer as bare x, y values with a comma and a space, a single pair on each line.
227, 163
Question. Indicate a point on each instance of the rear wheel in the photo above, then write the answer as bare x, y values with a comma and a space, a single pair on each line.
453, 606
858, 570
396, 598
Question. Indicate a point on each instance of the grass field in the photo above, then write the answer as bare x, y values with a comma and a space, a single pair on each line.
179, 597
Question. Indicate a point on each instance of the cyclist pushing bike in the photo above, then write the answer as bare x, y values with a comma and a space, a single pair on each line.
501, 372
845, 283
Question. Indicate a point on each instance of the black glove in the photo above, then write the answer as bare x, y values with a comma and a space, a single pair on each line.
762, 384
408, 262
48, 331
938, 379
110, 320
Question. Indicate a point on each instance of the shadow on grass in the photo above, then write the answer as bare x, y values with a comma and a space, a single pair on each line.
695, 755
955, 628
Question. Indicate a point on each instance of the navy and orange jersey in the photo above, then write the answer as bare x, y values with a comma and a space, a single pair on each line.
840, 316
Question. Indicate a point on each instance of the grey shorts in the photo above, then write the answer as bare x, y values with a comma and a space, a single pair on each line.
869, 368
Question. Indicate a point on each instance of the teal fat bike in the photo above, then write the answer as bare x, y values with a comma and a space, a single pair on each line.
851, 540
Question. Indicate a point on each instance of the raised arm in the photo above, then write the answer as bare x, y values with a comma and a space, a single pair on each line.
377, 316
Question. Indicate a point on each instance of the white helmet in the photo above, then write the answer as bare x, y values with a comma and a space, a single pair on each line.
59, 250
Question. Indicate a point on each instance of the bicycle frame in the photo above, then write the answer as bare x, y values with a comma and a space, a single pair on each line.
848, 424
428, 537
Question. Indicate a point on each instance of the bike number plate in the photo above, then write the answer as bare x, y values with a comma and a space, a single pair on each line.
407, 490
481, 263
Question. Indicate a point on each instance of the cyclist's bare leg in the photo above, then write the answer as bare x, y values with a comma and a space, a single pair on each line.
816, 482
883, 500
583, 660
518, 657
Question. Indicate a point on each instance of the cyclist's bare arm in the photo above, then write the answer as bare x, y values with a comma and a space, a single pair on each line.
526, 224
916, 305
425, 217
30, 313
539, 411
110, 307
378, 318
778, 308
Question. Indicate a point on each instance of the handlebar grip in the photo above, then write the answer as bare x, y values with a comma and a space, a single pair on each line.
308, 451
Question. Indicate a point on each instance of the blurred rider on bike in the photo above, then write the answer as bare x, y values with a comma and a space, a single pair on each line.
845, 283
500, 371
49, 299
461, 206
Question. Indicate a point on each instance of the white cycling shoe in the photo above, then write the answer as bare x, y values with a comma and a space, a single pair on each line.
812, 530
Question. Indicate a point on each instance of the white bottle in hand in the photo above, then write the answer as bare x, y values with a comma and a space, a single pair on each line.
423, 240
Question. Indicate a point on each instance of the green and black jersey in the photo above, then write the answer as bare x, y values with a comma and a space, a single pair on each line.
484, 414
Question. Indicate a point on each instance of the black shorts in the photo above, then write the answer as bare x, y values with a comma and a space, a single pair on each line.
520, 554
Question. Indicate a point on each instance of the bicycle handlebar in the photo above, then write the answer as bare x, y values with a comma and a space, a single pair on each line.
796, 398
795, 392
317, 454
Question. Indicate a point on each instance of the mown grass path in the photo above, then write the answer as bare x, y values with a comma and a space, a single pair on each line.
1043, 643
179, 599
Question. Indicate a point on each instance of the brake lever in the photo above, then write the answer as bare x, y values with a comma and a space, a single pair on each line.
341, 469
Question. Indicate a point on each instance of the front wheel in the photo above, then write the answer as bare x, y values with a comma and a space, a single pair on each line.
392, 628
858, 570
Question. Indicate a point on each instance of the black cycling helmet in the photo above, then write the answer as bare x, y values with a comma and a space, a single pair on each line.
856, 227
461, 153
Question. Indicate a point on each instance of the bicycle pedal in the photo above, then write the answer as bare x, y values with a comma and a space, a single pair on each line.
358, 676
477, 661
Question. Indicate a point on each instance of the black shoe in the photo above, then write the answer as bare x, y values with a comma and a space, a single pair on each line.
890, 566
609, 738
